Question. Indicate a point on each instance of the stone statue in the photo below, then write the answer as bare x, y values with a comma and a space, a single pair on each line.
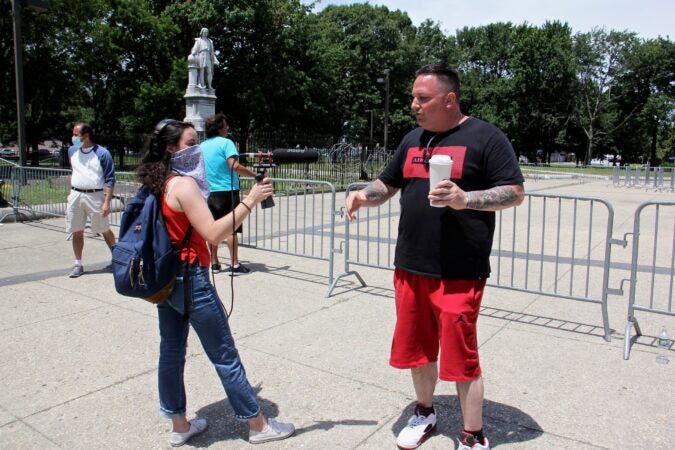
204, 56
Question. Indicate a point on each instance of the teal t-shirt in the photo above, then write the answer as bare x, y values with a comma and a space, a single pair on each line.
216, 151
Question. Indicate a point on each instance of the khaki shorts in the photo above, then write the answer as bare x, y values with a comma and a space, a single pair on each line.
82, 205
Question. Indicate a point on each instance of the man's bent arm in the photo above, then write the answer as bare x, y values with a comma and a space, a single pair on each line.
377, 193
374, 194
496, 198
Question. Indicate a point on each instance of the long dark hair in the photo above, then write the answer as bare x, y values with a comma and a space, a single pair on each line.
154, 168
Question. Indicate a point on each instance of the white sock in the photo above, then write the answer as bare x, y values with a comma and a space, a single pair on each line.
78, 262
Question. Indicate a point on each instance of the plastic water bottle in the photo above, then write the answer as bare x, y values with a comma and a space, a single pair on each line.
662, 347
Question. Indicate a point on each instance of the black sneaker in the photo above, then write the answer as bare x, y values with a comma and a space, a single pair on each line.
216, 268
233, 271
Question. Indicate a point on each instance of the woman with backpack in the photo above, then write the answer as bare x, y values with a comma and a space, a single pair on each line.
173, 151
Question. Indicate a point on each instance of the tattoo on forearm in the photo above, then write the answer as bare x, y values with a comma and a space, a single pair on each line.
497, 197
375, 191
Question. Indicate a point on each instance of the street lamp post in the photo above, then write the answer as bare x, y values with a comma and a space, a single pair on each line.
37, 5
18, 75
371, 127
385, 80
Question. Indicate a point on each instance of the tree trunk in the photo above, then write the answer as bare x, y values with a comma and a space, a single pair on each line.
589, 148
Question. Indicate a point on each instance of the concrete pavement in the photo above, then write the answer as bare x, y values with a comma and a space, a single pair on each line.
79, 361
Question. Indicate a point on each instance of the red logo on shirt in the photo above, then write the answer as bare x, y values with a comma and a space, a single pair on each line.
414, 166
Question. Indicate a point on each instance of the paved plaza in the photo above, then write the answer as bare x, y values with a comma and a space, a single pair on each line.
80, 362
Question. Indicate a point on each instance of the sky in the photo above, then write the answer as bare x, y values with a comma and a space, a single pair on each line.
648, 18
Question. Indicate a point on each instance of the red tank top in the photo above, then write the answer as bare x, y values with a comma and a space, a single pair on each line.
177, 224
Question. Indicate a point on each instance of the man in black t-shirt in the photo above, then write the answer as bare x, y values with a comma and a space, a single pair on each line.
442, 254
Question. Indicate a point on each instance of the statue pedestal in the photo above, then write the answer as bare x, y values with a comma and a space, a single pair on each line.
200, 103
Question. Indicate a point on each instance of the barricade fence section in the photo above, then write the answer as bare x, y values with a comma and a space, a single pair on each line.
556, 246
656, 178
301, 222
37, 192
652, 266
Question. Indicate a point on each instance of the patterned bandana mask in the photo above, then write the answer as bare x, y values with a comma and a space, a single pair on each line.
190, 162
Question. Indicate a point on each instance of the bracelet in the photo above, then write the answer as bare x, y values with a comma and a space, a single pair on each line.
246, 206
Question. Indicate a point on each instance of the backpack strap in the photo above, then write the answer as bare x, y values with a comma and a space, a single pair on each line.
186, 243
186, 273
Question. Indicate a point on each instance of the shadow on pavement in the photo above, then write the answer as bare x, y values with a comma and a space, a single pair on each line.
504, 424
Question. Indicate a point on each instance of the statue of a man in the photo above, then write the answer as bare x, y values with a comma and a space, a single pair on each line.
205, 56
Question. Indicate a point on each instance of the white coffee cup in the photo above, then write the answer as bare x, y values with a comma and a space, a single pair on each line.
440, 168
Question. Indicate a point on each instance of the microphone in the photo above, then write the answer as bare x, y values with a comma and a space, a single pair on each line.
281, 156
265, 160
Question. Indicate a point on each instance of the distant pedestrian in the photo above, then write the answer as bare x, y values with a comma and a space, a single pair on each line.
91, 183
223, 168
443, 253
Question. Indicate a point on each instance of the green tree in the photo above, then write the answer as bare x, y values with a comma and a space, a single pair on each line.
601, 60
484, 57
543, 78
89, 60
353, 45
650, 94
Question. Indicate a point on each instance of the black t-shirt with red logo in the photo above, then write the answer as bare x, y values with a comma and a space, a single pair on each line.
442, 242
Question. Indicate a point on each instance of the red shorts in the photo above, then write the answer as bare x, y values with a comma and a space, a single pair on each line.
433, 314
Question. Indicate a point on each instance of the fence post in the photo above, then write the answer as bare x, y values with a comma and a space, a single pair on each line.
628, 181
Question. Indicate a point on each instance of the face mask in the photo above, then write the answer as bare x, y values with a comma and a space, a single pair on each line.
77, 141
189, 162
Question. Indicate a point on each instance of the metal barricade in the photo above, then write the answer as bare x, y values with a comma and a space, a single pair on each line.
616, 175
628, 182
558, 246
38, 192
651, 282
302, 222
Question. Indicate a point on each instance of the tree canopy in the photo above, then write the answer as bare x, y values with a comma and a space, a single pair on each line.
286, 70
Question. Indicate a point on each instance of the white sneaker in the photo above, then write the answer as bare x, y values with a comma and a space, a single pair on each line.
468, 442
274, 432
419, 428
78, 270
196, 426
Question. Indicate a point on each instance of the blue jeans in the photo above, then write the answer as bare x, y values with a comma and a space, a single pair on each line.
207, 317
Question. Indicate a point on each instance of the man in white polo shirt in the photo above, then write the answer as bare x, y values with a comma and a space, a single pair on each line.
92, 183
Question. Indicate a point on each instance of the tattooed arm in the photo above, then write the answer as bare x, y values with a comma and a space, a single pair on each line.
499, 197
374, 194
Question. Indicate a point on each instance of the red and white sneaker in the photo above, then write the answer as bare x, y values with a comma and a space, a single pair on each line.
468, 442
418, 429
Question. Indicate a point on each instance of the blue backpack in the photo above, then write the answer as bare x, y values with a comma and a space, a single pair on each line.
144, 263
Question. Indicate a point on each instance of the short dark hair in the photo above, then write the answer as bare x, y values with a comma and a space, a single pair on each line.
214, 124
85, 128
447, 75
